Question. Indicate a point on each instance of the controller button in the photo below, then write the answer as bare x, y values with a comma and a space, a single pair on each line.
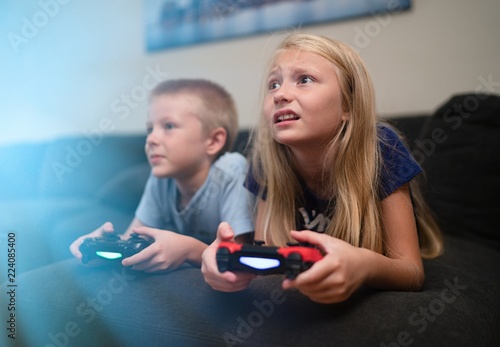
110, 236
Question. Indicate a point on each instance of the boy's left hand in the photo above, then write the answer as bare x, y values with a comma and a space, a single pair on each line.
335, 277
168, 251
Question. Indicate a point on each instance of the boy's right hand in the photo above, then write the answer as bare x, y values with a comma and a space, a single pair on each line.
223, 281
75, 246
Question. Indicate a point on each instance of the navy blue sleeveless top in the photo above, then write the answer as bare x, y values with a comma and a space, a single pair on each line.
398, 168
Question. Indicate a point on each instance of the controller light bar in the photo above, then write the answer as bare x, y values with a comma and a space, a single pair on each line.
109, 255
260, 263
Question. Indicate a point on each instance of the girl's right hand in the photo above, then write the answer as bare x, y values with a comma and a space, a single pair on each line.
334, 278
75, 246
222, 281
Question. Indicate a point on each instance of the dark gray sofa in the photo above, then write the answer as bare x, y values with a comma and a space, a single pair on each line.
60, 303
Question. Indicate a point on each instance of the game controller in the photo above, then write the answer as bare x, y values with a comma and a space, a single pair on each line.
110, 248
263, 260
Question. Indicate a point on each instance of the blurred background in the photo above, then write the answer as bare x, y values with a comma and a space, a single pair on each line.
70, 67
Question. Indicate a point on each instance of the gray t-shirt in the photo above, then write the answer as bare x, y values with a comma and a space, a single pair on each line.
222, 198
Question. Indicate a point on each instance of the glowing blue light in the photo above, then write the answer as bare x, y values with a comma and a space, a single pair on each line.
260, 263
109, 255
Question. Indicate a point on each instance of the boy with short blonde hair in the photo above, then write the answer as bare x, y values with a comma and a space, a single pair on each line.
195, 184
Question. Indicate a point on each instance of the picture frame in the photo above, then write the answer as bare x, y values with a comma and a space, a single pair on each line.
176, 23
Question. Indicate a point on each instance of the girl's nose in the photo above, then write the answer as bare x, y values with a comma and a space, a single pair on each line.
282, 95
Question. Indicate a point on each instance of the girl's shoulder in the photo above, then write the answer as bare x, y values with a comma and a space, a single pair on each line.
391, 142
387, 133
397, 165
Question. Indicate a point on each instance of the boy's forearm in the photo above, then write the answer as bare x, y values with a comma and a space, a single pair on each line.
392, 274
195, 250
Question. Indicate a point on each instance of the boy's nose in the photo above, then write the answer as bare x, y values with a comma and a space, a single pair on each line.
152, 138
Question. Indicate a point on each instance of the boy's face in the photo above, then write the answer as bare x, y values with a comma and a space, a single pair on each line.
176, 143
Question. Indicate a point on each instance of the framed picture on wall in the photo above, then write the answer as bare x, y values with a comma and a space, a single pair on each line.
175, 23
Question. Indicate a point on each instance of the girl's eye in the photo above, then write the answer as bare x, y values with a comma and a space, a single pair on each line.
274, 85
306, 79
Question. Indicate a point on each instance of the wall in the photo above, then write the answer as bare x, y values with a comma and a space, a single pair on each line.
73, 67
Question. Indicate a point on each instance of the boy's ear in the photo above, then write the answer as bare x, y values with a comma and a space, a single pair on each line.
216, 140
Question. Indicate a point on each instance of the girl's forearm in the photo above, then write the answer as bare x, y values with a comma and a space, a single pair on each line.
387, 273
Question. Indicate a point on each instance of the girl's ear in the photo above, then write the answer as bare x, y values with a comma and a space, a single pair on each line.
346, 116
216, 140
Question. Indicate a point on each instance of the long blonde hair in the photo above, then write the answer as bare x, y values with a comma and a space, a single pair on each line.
355, 216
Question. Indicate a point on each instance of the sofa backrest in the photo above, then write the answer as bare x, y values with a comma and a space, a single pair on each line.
73, 166
20, 166
460, 153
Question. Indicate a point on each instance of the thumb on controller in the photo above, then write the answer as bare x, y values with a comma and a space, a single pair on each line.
225, 232
108, 227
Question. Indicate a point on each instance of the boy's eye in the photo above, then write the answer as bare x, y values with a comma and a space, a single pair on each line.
306, 79
169, 126
149, 130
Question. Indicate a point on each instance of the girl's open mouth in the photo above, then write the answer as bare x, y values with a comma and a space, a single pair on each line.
285, 115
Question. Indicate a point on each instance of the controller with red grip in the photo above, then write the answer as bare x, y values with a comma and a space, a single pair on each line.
263, 260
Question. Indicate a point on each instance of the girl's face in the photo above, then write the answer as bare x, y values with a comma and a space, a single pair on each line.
303, 106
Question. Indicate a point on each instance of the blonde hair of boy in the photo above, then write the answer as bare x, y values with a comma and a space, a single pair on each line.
219, 108
356, 214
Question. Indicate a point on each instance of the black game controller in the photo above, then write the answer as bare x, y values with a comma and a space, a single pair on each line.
262, 260
110, 248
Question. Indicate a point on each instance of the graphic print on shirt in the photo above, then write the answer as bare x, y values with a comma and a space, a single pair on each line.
311, 220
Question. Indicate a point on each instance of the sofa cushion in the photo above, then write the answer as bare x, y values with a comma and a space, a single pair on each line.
69, 303
459, 149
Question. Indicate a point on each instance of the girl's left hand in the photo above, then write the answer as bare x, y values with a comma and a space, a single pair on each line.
334, 278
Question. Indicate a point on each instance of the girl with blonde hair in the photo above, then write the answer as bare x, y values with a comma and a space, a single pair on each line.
328, 173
